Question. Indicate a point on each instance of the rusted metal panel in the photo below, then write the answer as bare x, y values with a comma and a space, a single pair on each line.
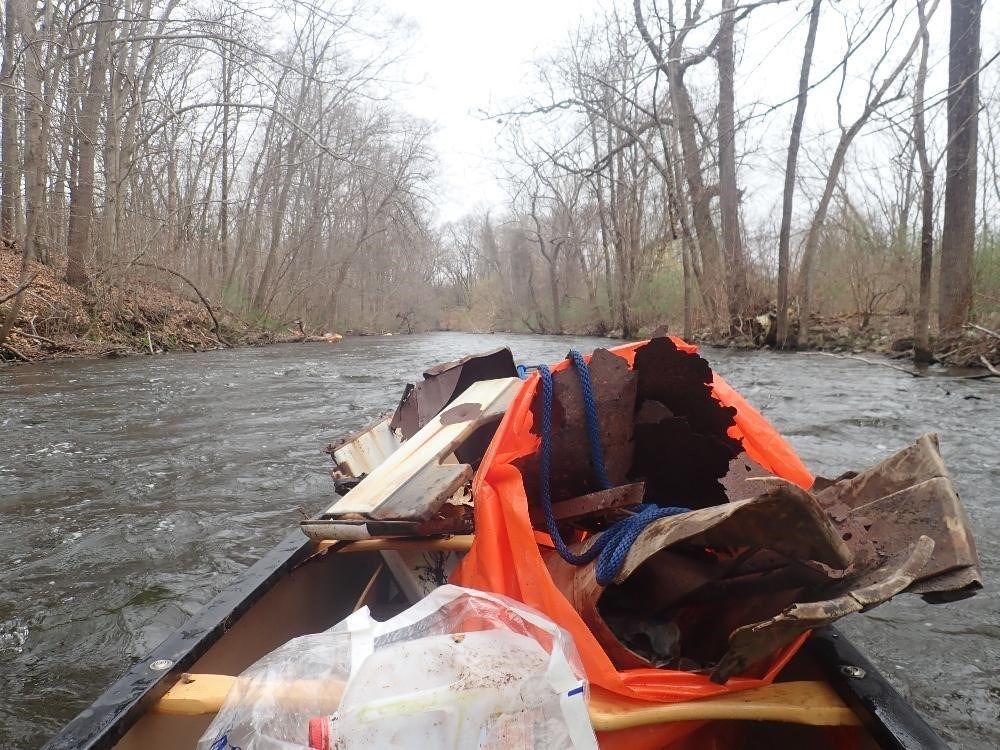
360, 453
751, 643
682, 446
806, 533
746, 478
571, 472
707, 594
444, 383
596, 506
908, 494
732, 583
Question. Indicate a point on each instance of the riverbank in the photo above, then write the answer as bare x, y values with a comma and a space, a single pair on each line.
976, 347
114, 318
128, 316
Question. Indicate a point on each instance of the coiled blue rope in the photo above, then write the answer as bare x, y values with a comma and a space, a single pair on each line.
611, 547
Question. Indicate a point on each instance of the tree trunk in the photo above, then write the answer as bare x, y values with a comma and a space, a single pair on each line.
224, 185
784, 234
34, 146
701, 208
9, 151
554, 292
602, 215
959, 231
738, 293
81, 203
876, 98
921, 319
711, 280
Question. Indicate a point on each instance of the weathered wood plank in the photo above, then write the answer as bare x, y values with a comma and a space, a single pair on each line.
482, 402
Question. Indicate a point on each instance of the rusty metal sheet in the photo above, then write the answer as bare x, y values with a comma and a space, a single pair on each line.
443, 383
358, 454
916, 463
751, 643
952, 586
682, 445
932, 508
727, 585
580, 587
668, 575
683, 383
746, 478
662, 581
572, 473
902, 497
595, 504
786, 520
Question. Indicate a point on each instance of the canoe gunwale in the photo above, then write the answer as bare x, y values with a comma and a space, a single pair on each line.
891, 721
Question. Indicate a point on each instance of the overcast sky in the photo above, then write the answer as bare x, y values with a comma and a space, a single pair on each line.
471, 56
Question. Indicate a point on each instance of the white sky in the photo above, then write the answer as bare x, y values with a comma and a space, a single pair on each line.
470, 56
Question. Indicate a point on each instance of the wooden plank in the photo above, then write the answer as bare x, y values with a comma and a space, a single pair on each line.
481, 403
367, 595
201, 694
810, 703
195, 695
420, 497
457, 543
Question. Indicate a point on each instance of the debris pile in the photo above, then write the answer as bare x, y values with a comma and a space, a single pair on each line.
426, 453
757, 560
717, 562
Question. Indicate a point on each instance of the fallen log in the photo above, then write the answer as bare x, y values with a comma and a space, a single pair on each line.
911, 373
24, 285
204, 300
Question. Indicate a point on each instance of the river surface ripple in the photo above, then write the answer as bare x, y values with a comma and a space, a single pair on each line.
132, 491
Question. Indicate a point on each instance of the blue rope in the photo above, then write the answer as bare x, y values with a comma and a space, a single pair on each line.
611, 547
593, 426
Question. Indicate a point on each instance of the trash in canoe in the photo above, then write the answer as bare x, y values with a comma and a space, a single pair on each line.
630, 500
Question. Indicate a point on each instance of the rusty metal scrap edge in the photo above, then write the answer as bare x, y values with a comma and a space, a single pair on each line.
751, 643
665, 532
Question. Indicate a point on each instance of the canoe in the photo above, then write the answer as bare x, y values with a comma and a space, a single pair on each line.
828, 695
276, 600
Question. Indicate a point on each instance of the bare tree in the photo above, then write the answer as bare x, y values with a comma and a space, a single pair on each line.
674, 64
878, 96
959, 230
921, 318
81, 212
788, 195
738, 293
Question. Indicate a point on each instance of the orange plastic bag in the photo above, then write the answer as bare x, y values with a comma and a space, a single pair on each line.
505, 557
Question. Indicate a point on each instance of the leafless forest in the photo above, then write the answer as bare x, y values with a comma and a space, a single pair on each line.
254, 157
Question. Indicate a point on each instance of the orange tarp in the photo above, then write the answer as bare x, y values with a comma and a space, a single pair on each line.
505, 557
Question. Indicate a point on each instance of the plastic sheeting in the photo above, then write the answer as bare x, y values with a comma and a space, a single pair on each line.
460, 669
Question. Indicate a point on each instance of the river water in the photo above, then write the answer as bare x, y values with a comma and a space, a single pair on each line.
133, 491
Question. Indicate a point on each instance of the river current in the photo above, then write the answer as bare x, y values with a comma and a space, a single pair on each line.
132, 491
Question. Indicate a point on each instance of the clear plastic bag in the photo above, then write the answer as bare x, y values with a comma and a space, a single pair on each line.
459, 669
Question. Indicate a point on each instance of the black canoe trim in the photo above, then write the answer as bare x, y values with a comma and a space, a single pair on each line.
107, 720
893, 722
